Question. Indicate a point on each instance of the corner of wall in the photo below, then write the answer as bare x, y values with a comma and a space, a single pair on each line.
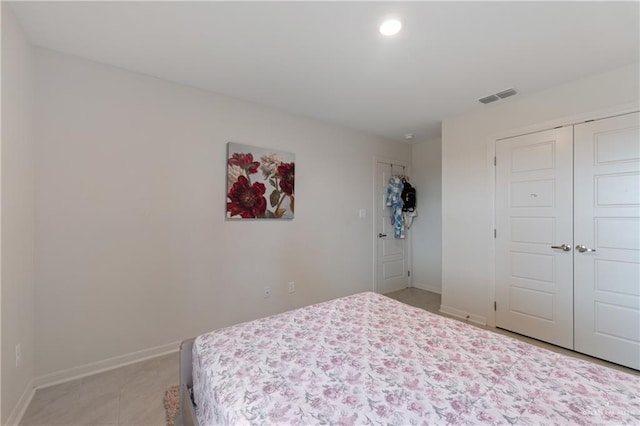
426, 176
21, 406
17, 214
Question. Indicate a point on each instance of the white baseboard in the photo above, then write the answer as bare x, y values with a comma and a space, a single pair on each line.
463, 315
23, 403
104, 365
427, 287
82, 371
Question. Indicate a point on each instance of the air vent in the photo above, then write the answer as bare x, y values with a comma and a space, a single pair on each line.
497, 96
506, 93
488, 99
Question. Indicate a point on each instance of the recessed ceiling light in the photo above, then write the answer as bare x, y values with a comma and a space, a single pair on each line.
390, 27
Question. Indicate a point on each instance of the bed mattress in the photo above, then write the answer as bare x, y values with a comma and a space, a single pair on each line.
368, 359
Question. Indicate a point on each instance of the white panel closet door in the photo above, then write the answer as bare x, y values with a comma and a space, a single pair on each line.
607, 220
534, 195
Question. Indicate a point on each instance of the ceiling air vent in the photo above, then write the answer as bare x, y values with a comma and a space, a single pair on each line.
488, 99
497, 96
506, 93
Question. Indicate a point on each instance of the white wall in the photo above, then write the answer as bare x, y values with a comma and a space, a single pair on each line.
133, 249
18, 214
426, 237
467, 224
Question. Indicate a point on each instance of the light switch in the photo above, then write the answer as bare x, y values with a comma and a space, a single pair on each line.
362, 213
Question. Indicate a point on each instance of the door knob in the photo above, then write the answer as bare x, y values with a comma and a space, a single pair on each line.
564, 247
380, 235
582, 248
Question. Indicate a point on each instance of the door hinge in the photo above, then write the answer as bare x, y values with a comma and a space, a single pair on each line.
408, 273
495, 161
495, 233
495, 305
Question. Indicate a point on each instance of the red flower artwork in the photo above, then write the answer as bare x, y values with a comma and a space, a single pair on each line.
247, 201
246, 188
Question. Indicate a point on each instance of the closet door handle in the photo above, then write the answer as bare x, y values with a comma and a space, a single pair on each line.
564, 247
583, 249
381, 235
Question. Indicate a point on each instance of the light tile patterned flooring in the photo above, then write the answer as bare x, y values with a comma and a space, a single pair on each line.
133, 395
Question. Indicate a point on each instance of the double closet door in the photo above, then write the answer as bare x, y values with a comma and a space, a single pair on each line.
568, 237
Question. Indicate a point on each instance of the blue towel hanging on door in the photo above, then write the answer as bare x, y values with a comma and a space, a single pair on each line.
394, 200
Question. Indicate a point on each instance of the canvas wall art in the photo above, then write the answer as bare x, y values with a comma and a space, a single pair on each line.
260, 183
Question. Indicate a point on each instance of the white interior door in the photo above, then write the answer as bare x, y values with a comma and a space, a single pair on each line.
534, 191
607, 221
391, 253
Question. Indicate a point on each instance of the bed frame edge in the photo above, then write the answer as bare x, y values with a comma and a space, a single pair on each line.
187, 416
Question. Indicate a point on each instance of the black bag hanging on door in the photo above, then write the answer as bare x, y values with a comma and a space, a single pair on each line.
408, 198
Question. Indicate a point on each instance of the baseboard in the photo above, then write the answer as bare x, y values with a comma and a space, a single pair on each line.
463, 315
23, 403
105, 365
427, 287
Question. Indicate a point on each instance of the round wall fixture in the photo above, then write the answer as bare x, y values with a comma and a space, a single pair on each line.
391, 26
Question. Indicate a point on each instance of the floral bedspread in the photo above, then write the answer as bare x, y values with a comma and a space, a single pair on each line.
368, 359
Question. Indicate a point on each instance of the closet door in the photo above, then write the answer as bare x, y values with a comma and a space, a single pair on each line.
534, 239
607, 239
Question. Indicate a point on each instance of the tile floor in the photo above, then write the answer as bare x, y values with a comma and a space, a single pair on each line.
133, 395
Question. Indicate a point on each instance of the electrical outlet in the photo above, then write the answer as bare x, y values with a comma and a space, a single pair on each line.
18, 355
267, 292
292, 286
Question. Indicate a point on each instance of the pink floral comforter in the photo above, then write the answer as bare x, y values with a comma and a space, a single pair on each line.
368, 359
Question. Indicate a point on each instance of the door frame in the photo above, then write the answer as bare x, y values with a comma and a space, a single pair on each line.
374, 238
491, 152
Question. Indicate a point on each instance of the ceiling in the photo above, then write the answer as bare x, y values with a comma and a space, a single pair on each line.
326, 60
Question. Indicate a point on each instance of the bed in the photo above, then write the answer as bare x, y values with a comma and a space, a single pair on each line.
368, 359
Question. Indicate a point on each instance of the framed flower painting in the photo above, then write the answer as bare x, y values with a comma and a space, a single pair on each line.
260, 183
